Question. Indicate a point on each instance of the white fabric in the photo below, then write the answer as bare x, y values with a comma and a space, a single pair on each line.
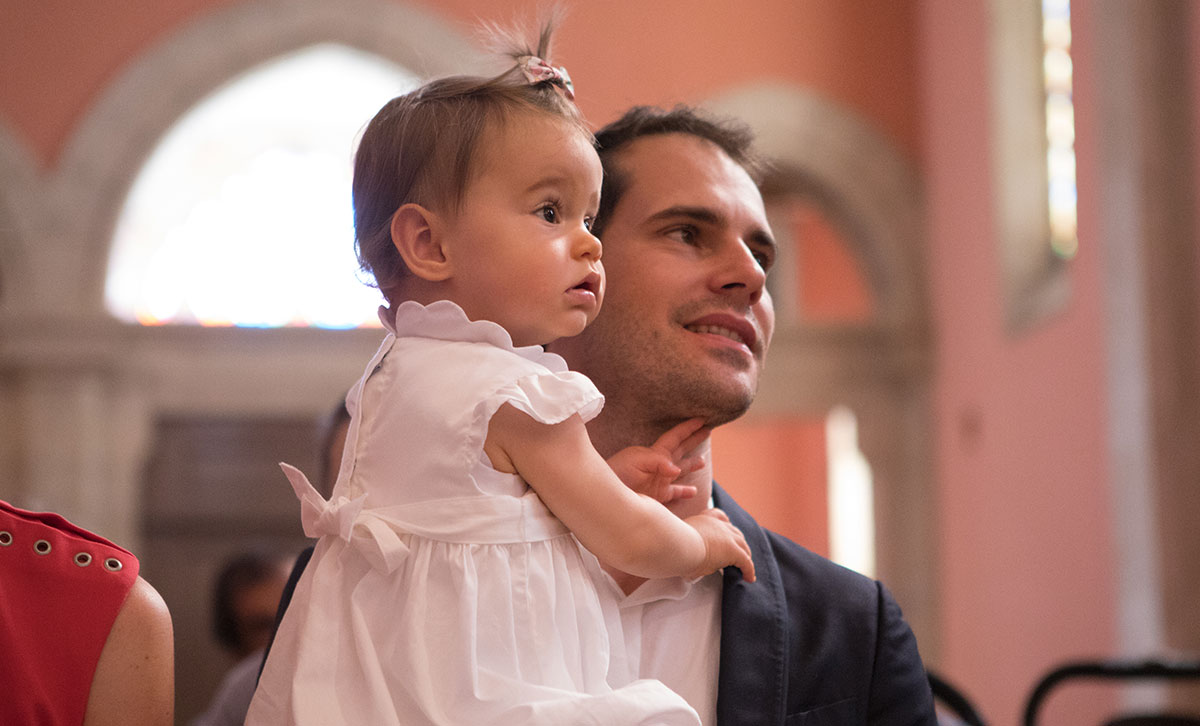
680, 640
671, 633
443, 591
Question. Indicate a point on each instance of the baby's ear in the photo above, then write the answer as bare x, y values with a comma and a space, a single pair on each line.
414, 236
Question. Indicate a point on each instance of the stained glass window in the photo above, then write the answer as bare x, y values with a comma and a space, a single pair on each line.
242, 214
1060, 126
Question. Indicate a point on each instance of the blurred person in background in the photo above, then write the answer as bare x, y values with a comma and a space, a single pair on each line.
245, 597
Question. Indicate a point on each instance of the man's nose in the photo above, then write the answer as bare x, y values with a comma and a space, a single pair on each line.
738, 271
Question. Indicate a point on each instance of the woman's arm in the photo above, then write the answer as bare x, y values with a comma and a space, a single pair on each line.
625, 530
134, 683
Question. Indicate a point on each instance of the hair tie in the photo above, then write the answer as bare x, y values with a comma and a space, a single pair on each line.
538, 71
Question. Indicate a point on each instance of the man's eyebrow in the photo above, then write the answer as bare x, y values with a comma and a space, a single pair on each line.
698, 214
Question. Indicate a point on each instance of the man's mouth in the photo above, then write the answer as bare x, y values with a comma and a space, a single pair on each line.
717, 330
732, 327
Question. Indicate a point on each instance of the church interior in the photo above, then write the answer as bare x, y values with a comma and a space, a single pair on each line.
988, 318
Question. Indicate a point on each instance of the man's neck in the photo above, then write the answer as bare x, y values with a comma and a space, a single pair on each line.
609, 435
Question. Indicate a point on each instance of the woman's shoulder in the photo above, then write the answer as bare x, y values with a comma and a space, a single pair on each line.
95, 633
134, 683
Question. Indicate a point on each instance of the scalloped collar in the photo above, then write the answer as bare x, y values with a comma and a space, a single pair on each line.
445, 320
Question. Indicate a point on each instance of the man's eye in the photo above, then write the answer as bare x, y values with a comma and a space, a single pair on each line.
686, 235
764, 260
549, 213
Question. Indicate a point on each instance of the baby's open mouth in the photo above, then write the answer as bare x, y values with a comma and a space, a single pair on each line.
591, 283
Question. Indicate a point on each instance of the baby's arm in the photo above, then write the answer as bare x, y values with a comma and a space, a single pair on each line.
652, 470
626, 530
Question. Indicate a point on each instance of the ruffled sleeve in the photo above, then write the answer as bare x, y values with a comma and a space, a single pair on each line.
548, 397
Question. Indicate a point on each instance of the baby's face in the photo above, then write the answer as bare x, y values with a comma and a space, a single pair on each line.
523, 252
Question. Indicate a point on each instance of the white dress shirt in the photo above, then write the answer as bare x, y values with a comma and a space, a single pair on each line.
672, 632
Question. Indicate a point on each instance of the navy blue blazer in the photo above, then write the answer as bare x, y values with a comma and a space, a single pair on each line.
811, 642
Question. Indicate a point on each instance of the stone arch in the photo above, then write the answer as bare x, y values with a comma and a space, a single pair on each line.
103, 158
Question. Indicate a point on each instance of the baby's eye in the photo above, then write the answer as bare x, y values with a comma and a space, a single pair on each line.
549, 213
588, 222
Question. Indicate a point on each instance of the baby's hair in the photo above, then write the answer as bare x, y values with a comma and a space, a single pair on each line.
422, 147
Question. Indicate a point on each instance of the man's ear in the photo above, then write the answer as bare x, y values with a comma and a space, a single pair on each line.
415, 236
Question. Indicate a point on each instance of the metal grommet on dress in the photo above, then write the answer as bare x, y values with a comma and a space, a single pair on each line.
112, 564
83, 559
6, 539
42, 547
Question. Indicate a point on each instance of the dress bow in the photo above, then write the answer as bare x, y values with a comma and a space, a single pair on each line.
318, 516
381, 544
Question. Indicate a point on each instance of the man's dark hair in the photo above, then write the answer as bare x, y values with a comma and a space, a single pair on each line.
732, 137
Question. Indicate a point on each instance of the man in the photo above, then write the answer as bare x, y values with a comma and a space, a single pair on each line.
683, 333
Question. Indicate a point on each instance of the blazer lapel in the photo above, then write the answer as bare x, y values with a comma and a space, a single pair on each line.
752, 684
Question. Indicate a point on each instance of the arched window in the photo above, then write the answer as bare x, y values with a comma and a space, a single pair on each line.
242, 214
1033, 153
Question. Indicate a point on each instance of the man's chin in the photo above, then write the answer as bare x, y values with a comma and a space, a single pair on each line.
720, 404
727, 414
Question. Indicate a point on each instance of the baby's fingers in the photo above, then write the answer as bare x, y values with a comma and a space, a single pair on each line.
721, 515
680, 436
678, 491
747, 564
744, 557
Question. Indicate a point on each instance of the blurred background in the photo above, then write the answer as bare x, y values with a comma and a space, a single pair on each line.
983, 389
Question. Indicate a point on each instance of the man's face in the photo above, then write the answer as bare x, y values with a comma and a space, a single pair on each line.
686, 320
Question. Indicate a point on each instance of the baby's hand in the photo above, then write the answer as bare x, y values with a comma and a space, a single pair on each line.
724, 544
651, 470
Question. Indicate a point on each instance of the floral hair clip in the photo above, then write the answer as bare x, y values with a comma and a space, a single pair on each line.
538, 71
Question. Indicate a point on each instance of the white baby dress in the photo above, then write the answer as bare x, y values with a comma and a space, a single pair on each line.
442, 591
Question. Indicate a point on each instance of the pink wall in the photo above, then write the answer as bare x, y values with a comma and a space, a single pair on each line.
1027, 575
56, 55
623, 52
